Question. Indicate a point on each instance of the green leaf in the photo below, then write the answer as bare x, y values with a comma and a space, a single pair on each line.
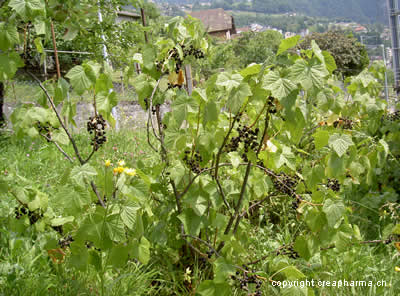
334, 210
105, 103
314, 176
191, 222
61, 91
119, 255
80, 174
128, 214
237, 97
315, 219
9, 64
321, 139
330, 63
40, 26
95, 259
115, 227
79, 79
340, 143
39, 45
60, 137
223, 269
279, 87
287, 44
182, 105
228, 81
301, 247
210, 288
8, 36
28, 8
308, 75
210, 113
292, 273
61, 221
335, 167
69, 111
141, 250
251, 70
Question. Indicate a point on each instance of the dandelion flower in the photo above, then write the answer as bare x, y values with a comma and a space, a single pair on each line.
107, 163
397, 269
130, 172
121, 163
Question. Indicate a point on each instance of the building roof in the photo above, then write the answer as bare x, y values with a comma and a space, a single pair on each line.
215, 20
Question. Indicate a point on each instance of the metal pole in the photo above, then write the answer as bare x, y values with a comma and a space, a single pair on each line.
105, 56
386, 82
394, 26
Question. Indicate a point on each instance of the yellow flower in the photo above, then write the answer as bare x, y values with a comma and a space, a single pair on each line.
118, 170
397, 269
130, 172
107, 163
121, 163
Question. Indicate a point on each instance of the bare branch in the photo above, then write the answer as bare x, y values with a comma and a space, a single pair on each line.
58, 147
71, 139
97, 194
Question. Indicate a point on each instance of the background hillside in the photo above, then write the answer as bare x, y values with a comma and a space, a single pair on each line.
366, 11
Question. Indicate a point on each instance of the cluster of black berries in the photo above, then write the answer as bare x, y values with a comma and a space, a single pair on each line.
343, 123
33, 216
173, 54
333, 184
286, 184
395, 116
66, 241
154, 109
191, 51
170, 85
248, 277
247, 136
272, 107
210, 253
193, 162
96, 125
288, 251
44, 129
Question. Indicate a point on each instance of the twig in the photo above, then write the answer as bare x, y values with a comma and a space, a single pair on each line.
90, 156
203, 242
256, 204
244, 184
58, 147
71, 139
97, 194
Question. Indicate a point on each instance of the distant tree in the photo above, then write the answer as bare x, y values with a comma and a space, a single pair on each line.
254, 47
351, 56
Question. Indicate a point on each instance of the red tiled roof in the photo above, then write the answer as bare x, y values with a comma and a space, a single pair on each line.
215, 20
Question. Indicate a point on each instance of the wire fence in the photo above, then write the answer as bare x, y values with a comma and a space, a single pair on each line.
28, 91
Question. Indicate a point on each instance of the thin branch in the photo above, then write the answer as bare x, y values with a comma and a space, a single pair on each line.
244, 184
58, 147
203, 242
97, 194
177, 197
259, 114
71, 139
90, 156
257, 204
